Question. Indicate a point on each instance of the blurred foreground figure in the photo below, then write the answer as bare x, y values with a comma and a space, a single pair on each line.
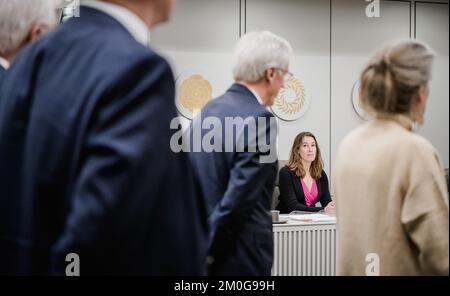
391, 196
86, 164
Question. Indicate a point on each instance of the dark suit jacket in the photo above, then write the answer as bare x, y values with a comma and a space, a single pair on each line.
292, 197
86, 165
2, 74
237, 189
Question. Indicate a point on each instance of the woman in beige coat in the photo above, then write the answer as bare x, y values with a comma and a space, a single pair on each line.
391, 196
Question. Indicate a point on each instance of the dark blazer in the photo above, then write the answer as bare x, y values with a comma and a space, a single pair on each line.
86, 165
2, 74
237, 189
292, 197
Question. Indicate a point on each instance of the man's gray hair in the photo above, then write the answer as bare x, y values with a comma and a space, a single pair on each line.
18, 16
256, 52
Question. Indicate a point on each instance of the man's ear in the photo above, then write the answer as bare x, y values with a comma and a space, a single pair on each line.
36, 31
422, 94
270, 74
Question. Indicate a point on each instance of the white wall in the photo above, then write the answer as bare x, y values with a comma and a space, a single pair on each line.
332, 40
354, 38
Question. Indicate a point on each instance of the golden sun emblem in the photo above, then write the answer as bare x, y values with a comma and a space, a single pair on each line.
195, 92
291, 97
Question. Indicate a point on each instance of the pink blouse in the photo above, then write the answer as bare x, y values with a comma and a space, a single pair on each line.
310, 196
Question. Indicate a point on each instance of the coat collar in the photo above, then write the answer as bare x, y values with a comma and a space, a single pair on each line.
4, 63
243, 90
130, 21
401, 119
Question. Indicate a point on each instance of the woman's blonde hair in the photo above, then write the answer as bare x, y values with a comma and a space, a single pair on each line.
394, 75
295, 161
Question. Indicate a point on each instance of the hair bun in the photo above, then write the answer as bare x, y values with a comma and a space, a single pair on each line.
393, 76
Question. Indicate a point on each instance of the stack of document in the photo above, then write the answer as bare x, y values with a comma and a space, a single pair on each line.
313, 217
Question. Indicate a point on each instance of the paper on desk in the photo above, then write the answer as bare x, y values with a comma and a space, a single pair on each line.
313, 217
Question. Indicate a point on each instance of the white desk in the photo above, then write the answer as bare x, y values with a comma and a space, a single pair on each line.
304, 248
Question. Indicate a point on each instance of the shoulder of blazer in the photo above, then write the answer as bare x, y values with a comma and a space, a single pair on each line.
285, 170
288, 172
323, 178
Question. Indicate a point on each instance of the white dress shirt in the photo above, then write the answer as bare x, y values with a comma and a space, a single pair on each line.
137, 28
268, 109
4, 63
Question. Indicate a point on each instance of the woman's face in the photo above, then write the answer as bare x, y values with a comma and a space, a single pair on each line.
308, 149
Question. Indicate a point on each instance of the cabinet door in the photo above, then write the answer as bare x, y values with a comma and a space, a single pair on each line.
431, 26
354, 37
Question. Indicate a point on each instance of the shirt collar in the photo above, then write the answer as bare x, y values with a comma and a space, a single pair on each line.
256, 96
4, 63
137, 28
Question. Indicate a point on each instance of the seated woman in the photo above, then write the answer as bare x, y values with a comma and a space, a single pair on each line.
303, 181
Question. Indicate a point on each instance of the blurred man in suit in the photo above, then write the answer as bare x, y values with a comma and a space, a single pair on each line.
238, 183
86, 165
21, 22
